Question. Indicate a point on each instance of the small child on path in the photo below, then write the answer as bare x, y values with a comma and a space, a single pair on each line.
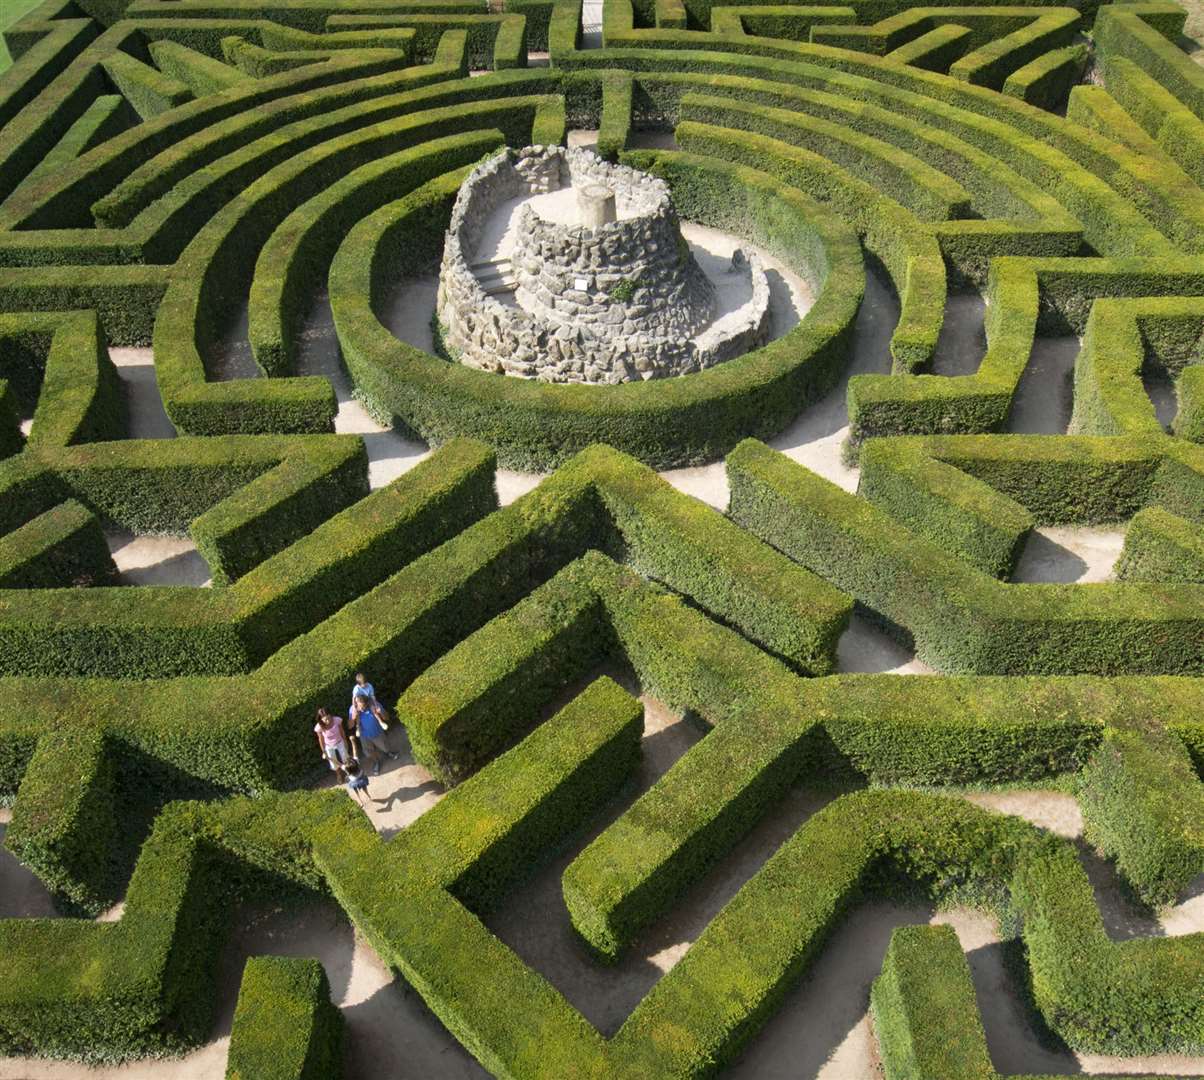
332, 740
357, 782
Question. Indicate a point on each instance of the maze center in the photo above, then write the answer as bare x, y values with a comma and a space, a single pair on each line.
562, 267
601, 539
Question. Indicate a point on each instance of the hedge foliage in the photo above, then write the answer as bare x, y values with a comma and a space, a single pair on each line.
146, 984
925, 1010
285, 1027
959, 618
261, 149
1091, 989
63, 546
1161, 546
663, 422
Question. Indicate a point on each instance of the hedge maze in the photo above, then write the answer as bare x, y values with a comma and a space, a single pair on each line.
177, 174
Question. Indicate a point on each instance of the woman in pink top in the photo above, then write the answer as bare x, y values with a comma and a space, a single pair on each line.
332, 740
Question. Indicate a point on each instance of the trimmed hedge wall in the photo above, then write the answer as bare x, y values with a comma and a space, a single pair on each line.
58, 369
64, 546
1023, 296
1160, 546
282, 590
944, 505
296, 258
925, 1010
146, 984
285, 1027
209, 271
1142, 805
665, 422
1092, 990
959, 618
1124, 339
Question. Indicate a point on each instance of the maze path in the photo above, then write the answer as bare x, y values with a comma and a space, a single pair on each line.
165, 166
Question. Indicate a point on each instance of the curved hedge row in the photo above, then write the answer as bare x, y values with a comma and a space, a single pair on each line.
294, 261
664, 422
207, 276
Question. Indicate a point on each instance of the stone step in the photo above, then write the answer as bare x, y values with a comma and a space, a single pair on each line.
496, 276
502, 263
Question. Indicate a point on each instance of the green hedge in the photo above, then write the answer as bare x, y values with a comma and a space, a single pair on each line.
295, 260
925, 1010
614, 121
669, 421
961, 619
1150, 76
1087, 174
558, 772
200, 73
294, 566
124, 298
211, 269
484, 694
1046, 81
896, 236
285, 1027
64, 546
935, 50
768, 729
1142, 804
59, 369
768, 732
66, 827
105, 992
1024, 296
696, 1018
148, 91
1124, 339
106, 117
944, 505
1160, 546
494, 41
177, 147
478, 697
835, 149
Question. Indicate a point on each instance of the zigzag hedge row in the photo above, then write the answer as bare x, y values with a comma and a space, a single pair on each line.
206, 177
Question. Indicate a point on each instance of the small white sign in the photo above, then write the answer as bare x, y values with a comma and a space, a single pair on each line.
581, 284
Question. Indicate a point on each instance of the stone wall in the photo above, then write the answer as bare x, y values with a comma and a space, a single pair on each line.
623, 301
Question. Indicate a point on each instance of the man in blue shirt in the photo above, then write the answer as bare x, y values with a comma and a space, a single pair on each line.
366, 726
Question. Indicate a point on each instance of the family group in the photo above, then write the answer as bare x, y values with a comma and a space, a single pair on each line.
346, 745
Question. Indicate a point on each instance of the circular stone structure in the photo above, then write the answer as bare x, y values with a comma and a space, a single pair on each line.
592, 282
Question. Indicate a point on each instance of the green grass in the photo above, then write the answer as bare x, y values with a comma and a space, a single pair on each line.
10, 12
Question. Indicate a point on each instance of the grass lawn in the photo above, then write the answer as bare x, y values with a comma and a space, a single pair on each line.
10, 12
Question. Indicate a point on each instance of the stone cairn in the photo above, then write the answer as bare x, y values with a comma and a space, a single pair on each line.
615, 298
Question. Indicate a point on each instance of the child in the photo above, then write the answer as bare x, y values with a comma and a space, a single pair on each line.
364, 691
357, 782
332, 741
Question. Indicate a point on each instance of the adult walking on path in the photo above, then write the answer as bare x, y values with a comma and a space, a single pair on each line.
366, 725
